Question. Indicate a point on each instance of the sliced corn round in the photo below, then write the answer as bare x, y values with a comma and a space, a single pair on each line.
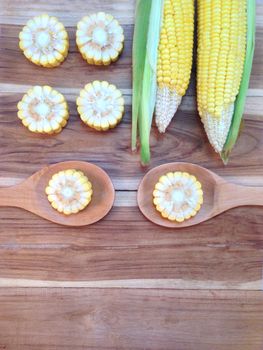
44, 41
69, 191
43, 110
99, 38
178, 196
100, 105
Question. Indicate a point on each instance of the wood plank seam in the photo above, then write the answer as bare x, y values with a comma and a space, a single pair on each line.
175, 284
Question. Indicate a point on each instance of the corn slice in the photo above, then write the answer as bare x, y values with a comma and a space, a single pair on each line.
43, 110
100, 105
44, 41
178, 196
69, 191
99, 38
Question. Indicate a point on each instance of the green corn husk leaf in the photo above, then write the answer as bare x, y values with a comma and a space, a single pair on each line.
142, 17
149, 84
235, 127
145, 86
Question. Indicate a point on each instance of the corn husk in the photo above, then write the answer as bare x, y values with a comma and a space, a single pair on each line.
236, 123
145, 54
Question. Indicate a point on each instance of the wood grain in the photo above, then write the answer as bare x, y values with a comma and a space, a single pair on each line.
130, 319
123, 283
226, 251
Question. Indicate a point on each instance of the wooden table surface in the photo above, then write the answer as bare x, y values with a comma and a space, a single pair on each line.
123, 283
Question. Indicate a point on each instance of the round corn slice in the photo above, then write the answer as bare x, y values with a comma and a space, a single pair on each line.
178, 196
44, 41
69, 191
100, 105
99, 38
43, 110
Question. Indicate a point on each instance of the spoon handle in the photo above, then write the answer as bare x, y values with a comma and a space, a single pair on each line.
249, 195
231, 196
13, 196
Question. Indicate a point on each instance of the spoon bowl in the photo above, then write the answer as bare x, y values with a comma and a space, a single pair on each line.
219, 195
30, 194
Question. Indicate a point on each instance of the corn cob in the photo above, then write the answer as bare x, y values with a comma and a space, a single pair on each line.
178, 196
44, 41
43, 110
69, 191
174, 58
100, 105
99, 38
222, 27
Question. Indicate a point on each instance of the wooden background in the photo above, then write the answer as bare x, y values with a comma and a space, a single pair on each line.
123, 283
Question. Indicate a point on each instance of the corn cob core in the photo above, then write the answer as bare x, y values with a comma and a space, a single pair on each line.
99, 38
100, 105
174, 58
178, 196
69, 191
222, 29
43, 110
44, 41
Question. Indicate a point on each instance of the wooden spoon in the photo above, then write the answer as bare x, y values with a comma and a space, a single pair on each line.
30, 194
219, 195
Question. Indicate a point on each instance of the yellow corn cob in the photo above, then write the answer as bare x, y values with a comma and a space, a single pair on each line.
178, 196
43, 110
100, 105
174, 58
221, 54
44, 41
69, 191
99, 38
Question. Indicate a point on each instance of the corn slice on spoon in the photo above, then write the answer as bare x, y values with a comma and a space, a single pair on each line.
30, 194
218, 194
